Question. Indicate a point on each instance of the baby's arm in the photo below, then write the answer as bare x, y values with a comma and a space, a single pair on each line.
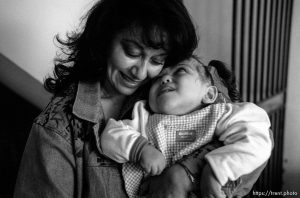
126, 140
244, 130
119, 141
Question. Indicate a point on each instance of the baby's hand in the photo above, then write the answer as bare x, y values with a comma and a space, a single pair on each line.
152, 161
209, 185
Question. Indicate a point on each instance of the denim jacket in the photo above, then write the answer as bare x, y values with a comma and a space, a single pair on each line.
61, 158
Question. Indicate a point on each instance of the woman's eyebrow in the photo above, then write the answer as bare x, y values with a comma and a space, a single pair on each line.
138, 45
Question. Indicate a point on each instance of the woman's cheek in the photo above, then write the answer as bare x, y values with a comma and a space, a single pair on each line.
155, 71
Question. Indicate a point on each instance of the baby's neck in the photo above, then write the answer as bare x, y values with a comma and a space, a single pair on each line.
183, 112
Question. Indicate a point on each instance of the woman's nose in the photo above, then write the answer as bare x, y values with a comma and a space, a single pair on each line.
166, 79
140, 70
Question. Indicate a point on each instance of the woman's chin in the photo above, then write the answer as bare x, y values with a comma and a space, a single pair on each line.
126, 90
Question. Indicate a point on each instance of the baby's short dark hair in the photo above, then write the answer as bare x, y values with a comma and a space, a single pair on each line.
217, 73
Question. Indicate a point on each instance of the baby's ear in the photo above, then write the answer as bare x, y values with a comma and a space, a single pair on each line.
211, 95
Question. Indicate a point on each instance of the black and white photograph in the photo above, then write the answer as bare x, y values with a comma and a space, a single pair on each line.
150, 98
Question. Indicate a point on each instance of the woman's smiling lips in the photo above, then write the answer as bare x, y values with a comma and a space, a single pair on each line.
129, 82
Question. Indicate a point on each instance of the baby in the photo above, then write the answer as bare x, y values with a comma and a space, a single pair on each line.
181, 116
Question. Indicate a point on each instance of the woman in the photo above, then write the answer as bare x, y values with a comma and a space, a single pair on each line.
124, 44
102, 71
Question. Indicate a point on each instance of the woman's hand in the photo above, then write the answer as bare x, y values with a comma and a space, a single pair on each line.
172, 183
209, 185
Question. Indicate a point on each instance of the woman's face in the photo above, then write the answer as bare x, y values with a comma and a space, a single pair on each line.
131, 64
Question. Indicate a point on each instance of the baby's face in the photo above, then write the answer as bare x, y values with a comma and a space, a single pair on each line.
178, 90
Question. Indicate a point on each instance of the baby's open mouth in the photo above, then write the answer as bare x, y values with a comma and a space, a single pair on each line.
165, 89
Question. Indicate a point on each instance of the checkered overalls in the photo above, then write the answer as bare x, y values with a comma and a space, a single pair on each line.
175, 137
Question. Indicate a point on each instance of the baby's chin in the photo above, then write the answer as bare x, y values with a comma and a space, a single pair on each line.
171, 107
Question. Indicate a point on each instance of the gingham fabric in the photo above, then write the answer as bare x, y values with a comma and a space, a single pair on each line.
175, 137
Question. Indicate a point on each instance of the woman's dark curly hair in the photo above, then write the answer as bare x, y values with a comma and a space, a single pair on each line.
160, 24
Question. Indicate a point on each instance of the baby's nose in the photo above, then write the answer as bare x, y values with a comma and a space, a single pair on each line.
166, 79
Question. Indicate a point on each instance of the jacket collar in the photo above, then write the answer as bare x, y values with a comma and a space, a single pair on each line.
87, 105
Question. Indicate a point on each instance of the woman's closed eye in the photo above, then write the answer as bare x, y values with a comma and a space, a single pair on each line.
131, 49
132, 52
158, 61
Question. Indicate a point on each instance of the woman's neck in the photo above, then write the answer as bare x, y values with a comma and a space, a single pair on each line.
112, 102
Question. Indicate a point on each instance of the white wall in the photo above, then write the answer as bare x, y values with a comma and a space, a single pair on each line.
27, 29
213, 19
291, 176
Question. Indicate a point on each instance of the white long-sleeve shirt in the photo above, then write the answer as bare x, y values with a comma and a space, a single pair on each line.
242, 127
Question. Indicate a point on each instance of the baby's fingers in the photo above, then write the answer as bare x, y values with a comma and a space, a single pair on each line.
147, 169
154, 170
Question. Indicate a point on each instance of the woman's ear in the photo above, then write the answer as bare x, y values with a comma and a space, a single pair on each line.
211, 95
